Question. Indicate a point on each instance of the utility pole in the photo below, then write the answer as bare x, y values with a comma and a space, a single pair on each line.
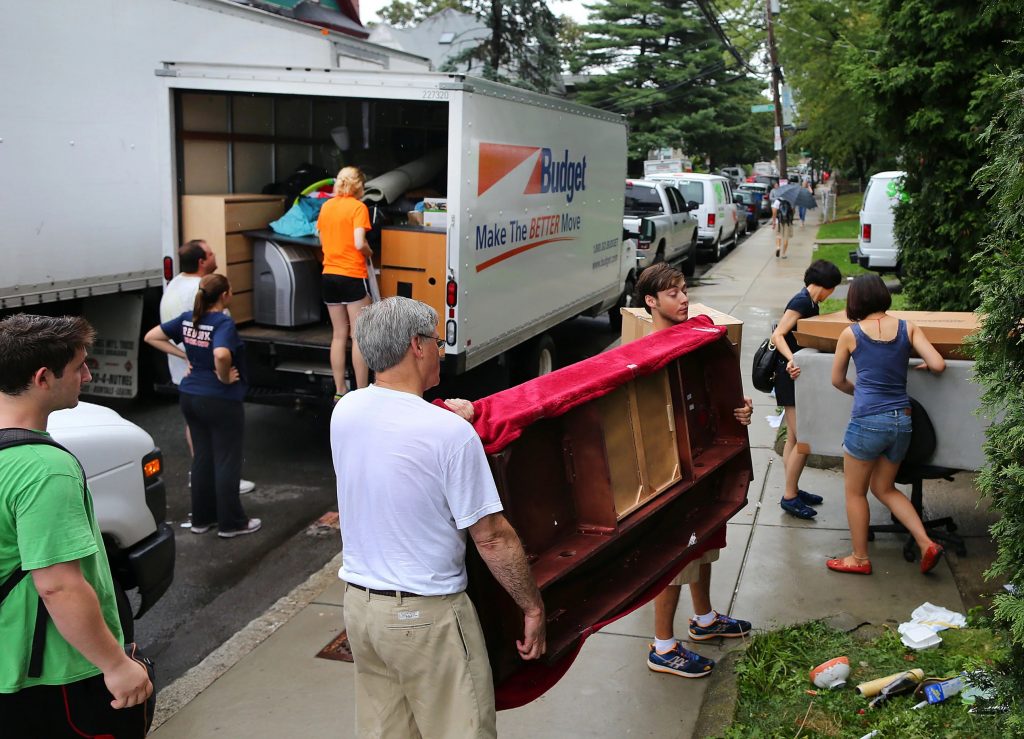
780, 147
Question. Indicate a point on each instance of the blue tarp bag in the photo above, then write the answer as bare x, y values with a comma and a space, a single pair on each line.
300, 220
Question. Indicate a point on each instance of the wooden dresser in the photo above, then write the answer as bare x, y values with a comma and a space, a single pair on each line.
219, 220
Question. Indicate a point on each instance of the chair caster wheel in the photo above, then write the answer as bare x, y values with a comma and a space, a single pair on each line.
909, 555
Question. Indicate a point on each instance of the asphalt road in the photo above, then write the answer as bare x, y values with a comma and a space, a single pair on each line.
220, 585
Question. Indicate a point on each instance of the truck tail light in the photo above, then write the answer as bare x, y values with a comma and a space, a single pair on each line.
865, 233
168, 269
711, 220
643, 244
450, 333
451, 294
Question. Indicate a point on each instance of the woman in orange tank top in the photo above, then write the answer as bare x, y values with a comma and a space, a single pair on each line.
343, 223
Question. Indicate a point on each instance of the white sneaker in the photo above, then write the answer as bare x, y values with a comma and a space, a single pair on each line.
250, 528
245, 487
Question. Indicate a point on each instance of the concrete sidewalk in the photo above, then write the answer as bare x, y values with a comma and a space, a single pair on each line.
266, 681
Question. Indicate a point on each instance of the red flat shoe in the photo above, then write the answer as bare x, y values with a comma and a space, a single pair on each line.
931, 557
838, 565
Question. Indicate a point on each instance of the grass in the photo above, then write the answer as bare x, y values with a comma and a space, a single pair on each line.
848, 205
839, 255
846, 229
772, 682
899, 302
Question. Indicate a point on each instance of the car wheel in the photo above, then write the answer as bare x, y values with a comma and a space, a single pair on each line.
716, 249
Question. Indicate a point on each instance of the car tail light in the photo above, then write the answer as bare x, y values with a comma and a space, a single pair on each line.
168, 269
865, 232
452, 293
711, 220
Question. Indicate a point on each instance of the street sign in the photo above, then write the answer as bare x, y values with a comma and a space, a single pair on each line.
766, 108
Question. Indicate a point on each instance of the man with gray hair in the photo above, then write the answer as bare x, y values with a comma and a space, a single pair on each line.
412, 480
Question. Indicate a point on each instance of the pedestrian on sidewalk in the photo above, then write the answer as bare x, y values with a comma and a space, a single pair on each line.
211, 398
802, 210
820, 280
878, 435
53, 563
195, 260
413, 479
662, 291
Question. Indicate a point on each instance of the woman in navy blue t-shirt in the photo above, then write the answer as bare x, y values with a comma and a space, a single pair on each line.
211, 396
820, 280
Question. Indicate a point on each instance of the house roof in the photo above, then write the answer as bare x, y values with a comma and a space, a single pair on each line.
441, 37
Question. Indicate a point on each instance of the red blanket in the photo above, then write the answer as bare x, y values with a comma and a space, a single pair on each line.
499, 419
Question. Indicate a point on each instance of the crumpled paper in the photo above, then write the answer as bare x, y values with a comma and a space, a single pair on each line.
937, 618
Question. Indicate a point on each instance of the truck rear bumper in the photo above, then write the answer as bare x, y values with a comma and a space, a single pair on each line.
151, 563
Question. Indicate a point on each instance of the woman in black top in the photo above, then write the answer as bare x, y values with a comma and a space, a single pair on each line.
820, 279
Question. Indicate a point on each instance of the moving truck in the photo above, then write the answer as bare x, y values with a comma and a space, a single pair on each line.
525, 192
83, 133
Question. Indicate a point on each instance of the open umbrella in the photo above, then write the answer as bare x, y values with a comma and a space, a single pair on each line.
796, 195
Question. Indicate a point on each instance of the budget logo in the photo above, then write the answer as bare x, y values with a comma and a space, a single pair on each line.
553, 171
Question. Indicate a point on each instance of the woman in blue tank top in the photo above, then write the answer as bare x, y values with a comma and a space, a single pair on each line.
878, 435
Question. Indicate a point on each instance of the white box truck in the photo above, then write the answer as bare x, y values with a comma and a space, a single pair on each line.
532, 235
82, 137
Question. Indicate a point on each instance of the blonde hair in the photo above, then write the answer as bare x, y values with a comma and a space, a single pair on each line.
349, 181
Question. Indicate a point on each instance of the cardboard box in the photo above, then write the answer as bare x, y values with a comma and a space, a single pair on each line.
435, 212
946, 330
636, 323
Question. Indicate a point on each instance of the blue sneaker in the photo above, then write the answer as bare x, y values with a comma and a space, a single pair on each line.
680, 661
796, 507
809, 498
731, 628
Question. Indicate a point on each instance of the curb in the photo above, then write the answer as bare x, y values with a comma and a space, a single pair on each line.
175, 696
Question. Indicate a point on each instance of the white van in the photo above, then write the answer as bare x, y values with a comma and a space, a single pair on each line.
876, 245
716, 209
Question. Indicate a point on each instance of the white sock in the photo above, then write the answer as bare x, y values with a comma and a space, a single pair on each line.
707, 619
664, 645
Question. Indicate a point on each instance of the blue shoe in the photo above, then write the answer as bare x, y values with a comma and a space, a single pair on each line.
809, 498
680, 661
731, 628
798, 508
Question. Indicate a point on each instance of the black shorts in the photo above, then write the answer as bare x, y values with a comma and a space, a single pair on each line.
785, 390
339, 290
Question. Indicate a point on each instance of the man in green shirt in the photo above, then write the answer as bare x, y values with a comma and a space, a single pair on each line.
86, 685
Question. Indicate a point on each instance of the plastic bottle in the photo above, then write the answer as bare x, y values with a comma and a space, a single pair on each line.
938, 692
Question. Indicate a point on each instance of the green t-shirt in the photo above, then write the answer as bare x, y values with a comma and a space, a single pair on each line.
46, 520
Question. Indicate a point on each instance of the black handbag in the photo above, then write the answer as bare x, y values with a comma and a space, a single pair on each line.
765, 365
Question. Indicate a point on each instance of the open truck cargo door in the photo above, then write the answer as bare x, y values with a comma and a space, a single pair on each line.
600, 466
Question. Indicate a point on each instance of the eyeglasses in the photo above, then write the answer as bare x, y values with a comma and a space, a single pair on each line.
437, 340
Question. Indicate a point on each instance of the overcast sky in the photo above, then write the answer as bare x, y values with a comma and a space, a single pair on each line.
572, 8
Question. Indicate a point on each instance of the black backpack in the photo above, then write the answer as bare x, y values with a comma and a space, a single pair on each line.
785, 213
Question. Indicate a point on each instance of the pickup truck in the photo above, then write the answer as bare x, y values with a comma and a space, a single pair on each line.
666, 231
124, 470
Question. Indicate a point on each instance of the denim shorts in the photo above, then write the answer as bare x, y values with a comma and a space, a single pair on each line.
869, 437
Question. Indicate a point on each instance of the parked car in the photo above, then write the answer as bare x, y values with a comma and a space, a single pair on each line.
877, 247
771, 181
763, 190
659, 216
750, 201
124, 470
716, 211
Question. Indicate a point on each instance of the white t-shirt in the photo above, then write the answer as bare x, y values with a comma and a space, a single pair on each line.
179, 296
412, 478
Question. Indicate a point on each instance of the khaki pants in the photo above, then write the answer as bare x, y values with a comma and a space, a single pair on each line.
421, 667
691, 572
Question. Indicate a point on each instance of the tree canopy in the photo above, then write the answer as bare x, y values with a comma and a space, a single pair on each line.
660, 63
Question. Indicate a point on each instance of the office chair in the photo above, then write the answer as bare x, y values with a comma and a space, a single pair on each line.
913, 471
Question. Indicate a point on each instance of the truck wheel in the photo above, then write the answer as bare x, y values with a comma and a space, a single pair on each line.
625, 300
716, 249
542, 356
124, 613
659, 256
690, 263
